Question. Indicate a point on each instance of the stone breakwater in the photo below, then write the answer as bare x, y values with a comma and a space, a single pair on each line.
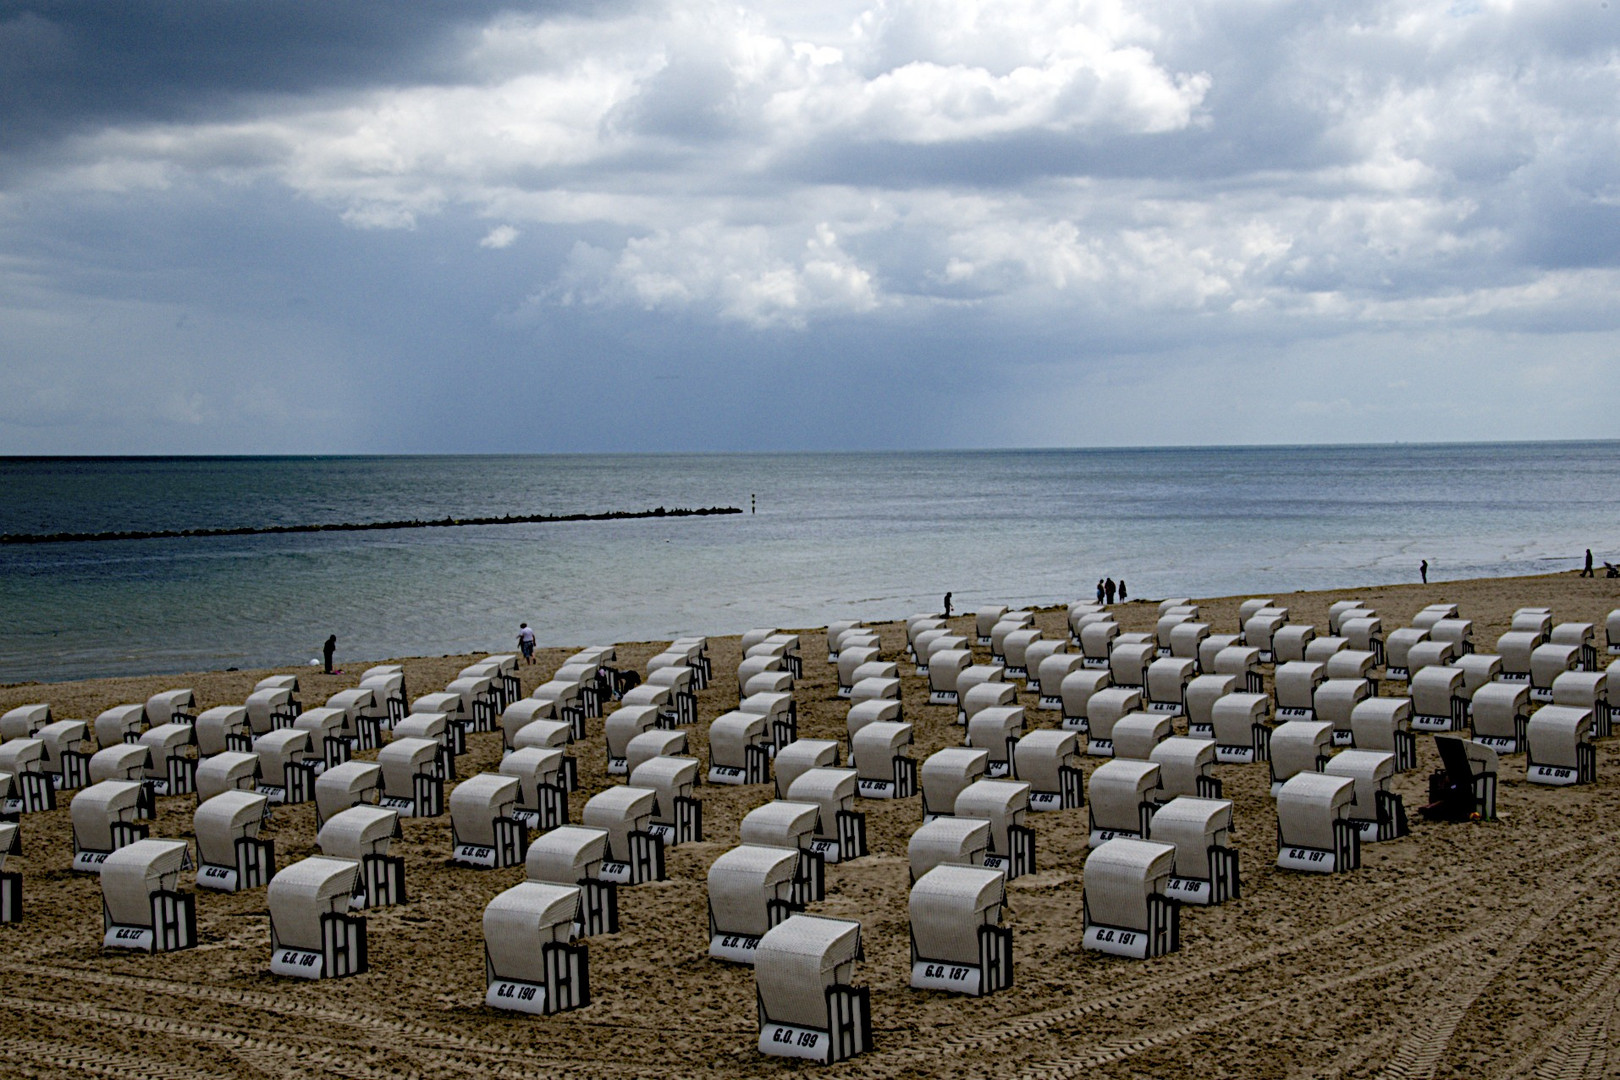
364, 526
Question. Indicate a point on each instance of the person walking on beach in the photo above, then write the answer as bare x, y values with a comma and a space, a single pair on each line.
1099, 590
1108, 589
1423, 568
1122, 590
327, 650
947, 605
526, 642
1588, 571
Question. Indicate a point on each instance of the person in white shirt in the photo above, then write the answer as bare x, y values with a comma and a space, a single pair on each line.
526, 641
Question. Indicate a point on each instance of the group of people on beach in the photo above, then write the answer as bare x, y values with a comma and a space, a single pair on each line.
1108, 589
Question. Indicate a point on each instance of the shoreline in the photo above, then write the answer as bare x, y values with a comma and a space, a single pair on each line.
1433, 592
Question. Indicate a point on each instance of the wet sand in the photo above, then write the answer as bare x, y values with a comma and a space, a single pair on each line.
1473, 950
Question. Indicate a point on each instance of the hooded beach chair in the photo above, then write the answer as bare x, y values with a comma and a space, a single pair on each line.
635, 854
1137, 733
271, 707
740, 748
782, 715
542, 778
1167, 681
881, 755
1004, 804
652, 744
35, 789
66, 761
1126, 911
997, 730
1239, 723
142, 905
120, 724
840, 829
954, 840
1465, 785
1296, 682
957, 941
1206, 865
231, 771
24, 721
288, 766
1314, 829
1289, 642
1376, 810
751, 889
483, 833
412, 777
1051, 675
349, 784
1202, 694
1104, 708
1382, 723
1335, 700
677, 812
312, 933
1559, 748
620, 727
104, 819
573, 855
1186, 767
1437, 701
231, 856
1049, 761
531, 963
946, 773
363, 833
173, 770
222, 728
803, 969
1076, 691
790, 825
1123, 797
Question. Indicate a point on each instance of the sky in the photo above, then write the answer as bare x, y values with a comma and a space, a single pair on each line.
301, 226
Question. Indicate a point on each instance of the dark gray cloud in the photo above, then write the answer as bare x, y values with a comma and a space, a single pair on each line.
71, 65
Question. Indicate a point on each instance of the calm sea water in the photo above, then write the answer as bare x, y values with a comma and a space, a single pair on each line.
835, 536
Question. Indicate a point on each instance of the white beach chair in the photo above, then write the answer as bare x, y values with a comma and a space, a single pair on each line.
484, 834
312, 933
750, 890
531, 963
1314, 829
1126, 909
1206, 866
1004, 804
1123, 797
957, 941
231, 856
142, 906
808, 1008
881, 755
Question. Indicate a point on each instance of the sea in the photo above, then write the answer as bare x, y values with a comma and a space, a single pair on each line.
822, 536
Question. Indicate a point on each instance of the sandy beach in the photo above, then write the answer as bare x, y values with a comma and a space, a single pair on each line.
1471, 950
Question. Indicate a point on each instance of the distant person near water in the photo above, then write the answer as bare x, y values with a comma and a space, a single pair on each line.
1122, 590
1588, 571
526, 642
1423, 569
947, 605
1109, 588
1099, 590
327, 650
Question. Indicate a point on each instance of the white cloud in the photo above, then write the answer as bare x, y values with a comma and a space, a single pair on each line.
501, 236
